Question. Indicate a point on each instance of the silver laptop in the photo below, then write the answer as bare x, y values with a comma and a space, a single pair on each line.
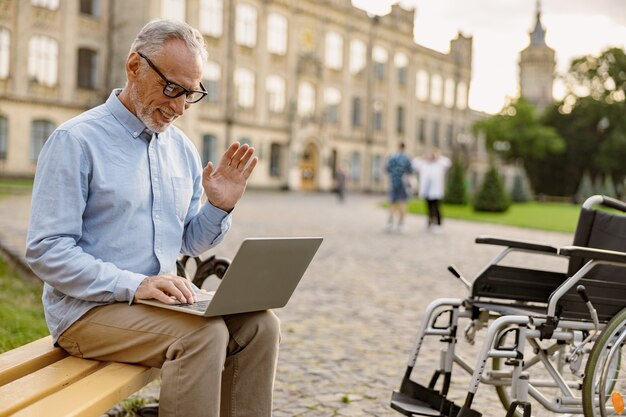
263, 275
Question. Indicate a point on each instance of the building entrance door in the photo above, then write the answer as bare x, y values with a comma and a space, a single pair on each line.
308, 168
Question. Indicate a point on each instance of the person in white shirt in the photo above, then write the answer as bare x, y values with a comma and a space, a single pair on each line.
431, 171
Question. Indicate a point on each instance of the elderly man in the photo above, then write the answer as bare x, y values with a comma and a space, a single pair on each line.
117, 197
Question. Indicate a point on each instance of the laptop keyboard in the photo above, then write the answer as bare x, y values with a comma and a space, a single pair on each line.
197, 306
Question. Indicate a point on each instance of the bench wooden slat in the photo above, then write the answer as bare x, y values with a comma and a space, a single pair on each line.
93, 394
37, 385
21, 361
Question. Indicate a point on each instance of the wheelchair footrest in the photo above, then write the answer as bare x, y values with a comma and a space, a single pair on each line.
414, 399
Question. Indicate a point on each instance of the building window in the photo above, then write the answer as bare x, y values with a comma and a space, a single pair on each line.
401, 62
209, 149
211, 17
448, 93
87, 69
334, 51
90, 7
5, 52
400, 119
275, 86
435, 134
306, 99
212, 77
244, 85
436, 89
43, 55
461, 96
39, 133
356, 111
4, 137
421, 130
358, 55
449, 134
245, 141
332, 100
377, 168
355, 166
46, 4
277, 34
421, 85
378, 115
245, 25
380, 58
173, 9
275, 160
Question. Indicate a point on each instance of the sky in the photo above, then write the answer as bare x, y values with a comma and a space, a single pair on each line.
500, 29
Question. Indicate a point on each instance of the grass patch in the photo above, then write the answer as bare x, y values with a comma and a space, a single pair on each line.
21, 311
9, 186
559, 217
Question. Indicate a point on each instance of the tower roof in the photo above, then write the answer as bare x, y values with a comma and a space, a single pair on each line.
538, 35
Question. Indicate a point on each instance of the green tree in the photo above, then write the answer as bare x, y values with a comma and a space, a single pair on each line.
491, 195
456, 193
591, 121
517, 135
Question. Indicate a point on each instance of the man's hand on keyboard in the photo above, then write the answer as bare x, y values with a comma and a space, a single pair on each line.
169, 289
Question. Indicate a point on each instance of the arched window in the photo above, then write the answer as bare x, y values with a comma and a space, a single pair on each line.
211, 17
212, 77
358, 52
244, 85
277, 34
4, 137
87, 71
43, 60
245, 25
275, 87
334, 51
209, 149
40, 131
306, 99
5, 53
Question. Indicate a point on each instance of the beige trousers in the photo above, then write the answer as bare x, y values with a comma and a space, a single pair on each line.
210, 366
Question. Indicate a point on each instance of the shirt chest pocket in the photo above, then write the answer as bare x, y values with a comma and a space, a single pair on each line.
183, 191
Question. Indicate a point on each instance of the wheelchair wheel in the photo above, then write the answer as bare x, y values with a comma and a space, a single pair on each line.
603, 391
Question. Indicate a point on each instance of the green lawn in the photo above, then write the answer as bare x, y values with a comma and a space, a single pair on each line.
10, 186
560, 217
21, 312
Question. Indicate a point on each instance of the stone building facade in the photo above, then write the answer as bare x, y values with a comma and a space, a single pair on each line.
311, 84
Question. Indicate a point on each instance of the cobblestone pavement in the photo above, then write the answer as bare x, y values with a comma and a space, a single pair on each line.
350, 324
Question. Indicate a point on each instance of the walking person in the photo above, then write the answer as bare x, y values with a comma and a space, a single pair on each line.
398, 167
431, 171
117, 197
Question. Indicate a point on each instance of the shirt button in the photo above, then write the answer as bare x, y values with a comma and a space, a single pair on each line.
157, 216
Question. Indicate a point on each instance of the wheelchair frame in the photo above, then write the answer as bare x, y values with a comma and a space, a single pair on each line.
543, 307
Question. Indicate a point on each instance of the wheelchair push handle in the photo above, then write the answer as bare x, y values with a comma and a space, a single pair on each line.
606, 202
582, 291
454, 271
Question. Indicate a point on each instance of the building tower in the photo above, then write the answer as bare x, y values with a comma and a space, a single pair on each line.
537, 66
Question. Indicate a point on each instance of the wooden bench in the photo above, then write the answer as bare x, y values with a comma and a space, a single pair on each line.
40, 380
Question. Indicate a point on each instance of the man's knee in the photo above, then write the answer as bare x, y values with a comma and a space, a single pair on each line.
262, 327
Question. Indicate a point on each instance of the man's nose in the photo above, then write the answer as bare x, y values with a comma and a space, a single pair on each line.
178, 105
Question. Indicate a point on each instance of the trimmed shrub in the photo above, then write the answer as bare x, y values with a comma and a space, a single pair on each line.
491, 195
456, 193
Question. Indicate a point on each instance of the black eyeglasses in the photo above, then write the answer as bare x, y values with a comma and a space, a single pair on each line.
173, 90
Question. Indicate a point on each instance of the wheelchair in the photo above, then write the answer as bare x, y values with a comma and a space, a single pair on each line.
552, 339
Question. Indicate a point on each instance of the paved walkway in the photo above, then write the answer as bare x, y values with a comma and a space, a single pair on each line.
348, 328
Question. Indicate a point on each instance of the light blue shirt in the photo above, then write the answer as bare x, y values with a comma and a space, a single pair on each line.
110, 208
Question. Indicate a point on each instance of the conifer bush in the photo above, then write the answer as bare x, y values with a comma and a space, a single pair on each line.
456, 192
492, 196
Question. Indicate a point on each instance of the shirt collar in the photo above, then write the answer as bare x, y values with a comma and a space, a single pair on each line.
131, 123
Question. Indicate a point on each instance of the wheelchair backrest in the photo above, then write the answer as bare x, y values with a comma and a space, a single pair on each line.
605, 284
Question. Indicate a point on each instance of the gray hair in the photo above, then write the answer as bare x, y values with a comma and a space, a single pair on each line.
155, 34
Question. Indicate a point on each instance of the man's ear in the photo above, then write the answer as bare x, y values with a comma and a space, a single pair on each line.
132, 66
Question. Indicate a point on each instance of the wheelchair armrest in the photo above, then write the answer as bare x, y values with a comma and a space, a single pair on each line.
593, 253
517, 244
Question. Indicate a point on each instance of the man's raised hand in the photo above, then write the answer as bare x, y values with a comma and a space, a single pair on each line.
224, 185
